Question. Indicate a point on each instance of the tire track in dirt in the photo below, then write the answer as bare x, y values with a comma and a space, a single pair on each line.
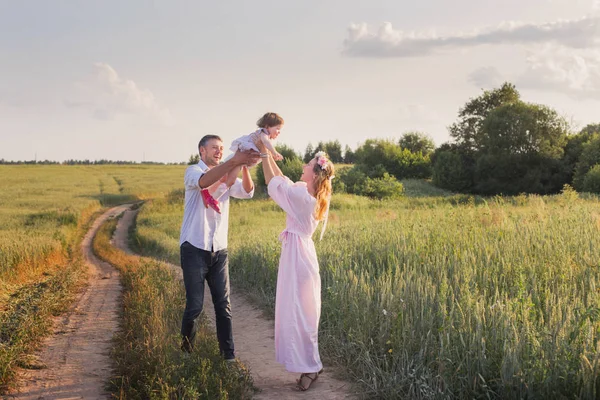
255, 344
76, 356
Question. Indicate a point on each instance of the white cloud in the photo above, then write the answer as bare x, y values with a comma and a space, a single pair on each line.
572, 71
486, 77
107, 95
388, 42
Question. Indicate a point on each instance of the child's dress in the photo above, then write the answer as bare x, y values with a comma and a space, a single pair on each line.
246, 142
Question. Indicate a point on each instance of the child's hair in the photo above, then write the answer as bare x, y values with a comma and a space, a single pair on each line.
324, 171
269, 119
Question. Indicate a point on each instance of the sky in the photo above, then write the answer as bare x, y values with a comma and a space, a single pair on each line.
145, 80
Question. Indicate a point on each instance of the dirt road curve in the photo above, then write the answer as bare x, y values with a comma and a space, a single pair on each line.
76, 355
255, 344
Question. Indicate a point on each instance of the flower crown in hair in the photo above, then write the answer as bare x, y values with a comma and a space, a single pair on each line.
322, 160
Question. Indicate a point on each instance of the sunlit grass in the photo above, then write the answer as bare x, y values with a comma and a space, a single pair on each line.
149, 363
44, 213
447, 296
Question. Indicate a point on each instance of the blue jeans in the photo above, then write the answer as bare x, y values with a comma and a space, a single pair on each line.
199, 265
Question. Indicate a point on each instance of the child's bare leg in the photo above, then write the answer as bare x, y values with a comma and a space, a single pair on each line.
232, 176
214, 186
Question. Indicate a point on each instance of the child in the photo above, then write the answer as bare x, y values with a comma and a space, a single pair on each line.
269, 128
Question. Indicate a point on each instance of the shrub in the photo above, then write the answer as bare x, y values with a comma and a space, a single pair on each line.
590, 156
450, 172
591, 180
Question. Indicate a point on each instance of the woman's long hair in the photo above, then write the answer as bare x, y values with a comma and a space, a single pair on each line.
324, 171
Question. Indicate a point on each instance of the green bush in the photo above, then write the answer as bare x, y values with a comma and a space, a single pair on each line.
382, 188
388, 156
450, 172
290, 167
352, 178
356, 181
590, 156
591, 180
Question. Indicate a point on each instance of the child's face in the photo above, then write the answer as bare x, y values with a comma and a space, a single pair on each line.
274, 131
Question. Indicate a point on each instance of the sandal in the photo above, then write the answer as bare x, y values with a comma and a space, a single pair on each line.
303, 388
209, 201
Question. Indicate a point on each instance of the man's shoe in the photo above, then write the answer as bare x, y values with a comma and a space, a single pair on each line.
186, 346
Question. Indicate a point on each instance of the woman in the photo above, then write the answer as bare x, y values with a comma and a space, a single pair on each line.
298, 298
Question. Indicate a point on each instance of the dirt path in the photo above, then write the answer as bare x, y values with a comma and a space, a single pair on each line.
254, 342
76, 355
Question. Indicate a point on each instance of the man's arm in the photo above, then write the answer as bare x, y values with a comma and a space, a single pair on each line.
216, 173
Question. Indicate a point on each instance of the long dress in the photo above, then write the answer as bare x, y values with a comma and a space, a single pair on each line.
298, 297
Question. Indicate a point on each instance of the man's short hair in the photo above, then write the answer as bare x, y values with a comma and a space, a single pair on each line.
206, 138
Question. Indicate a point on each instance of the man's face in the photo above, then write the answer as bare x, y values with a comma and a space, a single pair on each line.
211, 153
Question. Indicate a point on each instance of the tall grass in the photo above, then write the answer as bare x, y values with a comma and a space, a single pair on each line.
44, 212
443, 297
149, 363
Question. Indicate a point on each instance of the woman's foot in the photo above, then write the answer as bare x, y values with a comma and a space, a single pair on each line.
209, 201
306, 380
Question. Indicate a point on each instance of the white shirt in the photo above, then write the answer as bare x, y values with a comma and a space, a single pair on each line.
203, 227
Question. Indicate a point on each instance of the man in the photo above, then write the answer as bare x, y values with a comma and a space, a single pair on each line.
203, 239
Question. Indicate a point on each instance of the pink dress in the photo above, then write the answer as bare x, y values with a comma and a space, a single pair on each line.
298, 298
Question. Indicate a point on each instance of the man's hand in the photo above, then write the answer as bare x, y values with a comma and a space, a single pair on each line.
248, 157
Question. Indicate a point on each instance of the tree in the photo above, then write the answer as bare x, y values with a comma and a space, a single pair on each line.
591, 181
504, 145
590, 130
380, 156
520, 147
522, 128
590, 156
452, 170
194, 159
574, 148
349, 156
417, 142
287, 152
309, 153
333, 150
472, 115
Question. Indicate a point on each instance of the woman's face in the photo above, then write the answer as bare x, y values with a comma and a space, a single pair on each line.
308, 172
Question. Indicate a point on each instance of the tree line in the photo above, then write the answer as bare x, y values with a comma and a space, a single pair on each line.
499, 144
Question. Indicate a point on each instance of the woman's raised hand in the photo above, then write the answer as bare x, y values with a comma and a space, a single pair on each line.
260, 145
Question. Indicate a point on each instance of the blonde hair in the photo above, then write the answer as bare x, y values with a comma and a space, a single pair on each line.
324, 171
269, 119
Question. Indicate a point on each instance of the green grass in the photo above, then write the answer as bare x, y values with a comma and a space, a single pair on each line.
442, 296
149, 363
41, 205
44, 213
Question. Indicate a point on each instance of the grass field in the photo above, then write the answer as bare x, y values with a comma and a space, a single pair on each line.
437, 295
148, 361
44, 212
433, 295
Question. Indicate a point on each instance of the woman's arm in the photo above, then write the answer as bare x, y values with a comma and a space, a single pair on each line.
247, 179
264, 139
270, 168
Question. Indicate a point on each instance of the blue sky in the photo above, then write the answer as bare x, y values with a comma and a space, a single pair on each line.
146, 80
